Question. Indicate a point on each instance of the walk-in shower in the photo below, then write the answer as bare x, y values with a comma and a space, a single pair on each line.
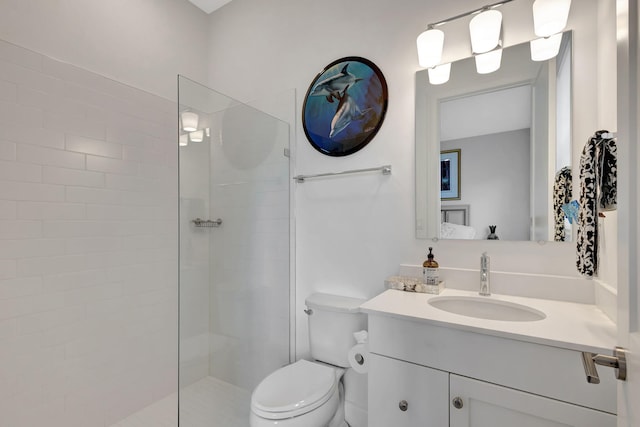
89, 250
234, 228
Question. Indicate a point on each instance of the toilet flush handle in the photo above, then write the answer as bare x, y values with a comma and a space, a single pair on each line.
308, 311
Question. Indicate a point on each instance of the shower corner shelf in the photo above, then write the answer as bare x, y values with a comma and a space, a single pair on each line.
207, 223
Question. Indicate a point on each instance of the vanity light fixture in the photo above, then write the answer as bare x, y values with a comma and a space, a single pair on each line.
184, 140
197, 136
488, 62
550, 16
430, 44
546, 47
484, 30
189, 121
439, 74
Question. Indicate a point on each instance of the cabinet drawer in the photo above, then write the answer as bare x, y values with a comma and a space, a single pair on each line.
424, 390
489, 405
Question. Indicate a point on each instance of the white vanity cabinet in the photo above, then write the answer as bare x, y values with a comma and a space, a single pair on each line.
431, 375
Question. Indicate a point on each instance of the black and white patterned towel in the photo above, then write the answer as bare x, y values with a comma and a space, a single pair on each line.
598, 191
561, 196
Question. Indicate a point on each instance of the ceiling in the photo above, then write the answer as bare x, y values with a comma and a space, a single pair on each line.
209, 6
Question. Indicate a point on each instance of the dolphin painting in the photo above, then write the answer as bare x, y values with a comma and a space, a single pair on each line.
334, 85
347, 112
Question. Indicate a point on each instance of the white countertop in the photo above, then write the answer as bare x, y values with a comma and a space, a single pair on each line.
580, 327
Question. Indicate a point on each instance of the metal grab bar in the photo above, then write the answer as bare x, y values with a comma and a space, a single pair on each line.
386, 170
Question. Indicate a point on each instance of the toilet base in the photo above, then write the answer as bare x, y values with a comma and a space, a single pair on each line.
338, 419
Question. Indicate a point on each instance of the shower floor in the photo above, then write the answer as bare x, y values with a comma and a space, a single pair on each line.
209, 402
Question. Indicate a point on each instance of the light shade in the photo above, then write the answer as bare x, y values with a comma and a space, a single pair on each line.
546, 47
440, 74
197, 136
430, 44
184, 140
488, 62
550, 16
484, 30
189, 121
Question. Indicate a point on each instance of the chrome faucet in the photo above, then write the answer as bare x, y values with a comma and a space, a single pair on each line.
485, 289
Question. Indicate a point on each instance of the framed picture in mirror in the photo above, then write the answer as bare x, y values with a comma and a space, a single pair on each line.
450, 174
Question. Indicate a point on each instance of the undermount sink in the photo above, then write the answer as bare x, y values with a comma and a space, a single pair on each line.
487, 308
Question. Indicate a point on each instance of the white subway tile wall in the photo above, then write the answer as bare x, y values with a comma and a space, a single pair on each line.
88, 245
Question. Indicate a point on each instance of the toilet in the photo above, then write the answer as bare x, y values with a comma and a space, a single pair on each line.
312, 393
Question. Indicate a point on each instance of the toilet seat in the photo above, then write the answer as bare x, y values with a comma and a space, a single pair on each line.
294, 390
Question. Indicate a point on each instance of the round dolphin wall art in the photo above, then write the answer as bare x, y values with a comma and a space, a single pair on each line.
345, 106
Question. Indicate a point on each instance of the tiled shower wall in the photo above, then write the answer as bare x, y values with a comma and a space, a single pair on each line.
88, 238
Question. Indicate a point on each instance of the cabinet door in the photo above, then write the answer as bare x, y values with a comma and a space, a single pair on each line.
489, 405
402, 394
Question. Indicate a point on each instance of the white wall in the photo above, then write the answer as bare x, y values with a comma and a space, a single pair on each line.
143, 43
353, 232
495, 179
88, 197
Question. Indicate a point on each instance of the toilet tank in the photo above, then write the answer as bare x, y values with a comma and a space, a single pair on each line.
332, 321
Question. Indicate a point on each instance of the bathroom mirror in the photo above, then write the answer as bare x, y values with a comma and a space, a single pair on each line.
489, 147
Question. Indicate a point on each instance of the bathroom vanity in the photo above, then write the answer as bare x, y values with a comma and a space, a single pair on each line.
432, 366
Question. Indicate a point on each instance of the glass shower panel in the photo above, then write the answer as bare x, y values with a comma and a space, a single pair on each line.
234, 254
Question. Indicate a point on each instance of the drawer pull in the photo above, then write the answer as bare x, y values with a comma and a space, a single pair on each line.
457, 402
403, 405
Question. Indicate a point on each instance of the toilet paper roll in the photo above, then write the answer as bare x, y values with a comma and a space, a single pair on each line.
359, 358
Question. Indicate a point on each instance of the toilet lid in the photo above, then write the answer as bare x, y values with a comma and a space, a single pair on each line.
294, 390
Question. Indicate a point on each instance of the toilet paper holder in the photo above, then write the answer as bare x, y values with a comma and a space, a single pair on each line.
359, 352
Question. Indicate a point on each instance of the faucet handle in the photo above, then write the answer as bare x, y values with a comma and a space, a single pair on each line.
484, 260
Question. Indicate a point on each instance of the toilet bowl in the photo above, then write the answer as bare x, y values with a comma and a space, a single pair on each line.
303, 394
311, 393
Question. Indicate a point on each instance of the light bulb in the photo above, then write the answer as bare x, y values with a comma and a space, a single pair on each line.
430, 44
440, 74
545, 48
197, 136
189, 121
550, 16
484, 30
488, 62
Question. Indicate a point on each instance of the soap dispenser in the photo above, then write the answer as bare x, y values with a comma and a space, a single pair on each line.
430, 270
